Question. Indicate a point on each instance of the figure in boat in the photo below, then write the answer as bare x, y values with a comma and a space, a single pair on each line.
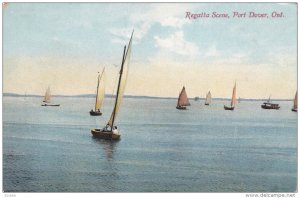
233, 100
99, 95
208, 98
295, 107
110, 131
183, 100
269, 105
47, 101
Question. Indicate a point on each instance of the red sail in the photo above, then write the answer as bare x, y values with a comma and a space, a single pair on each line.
183, 99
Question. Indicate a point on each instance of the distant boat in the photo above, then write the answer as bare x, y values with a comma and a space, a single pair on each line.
196, 98
269, 105
110, 131
239, 100
99, 95
233, 100
208, 98
183, 100
46, 100
295, 107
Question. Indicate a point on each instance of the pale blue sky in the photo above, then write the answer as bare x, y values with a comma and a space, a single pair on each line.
67, 43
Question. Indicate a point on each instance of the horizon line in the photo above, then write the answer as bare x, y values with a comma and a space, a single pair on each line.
134, 96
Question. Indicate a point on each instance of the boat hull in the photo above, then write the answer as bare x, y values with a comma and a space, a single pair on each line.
228, 108
274, 106
295, 110
95, 113
107, 135
181, 107
50, 105
206, 104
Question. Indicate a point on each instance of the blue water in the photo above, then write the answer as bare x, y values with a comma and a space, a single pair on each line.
204, 149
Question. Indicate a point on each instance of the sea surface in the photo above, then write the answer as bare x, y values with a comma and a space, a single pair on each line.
162, 149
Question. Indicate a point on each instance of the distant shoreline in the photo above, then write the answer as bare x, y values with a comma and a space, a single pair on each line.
131, 96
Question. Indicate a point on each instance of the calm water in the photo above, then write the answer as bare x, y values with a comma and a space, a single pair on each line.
204, 149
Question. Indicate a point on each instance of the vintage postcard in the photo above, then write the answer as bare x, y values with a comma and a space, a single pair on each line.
150, 97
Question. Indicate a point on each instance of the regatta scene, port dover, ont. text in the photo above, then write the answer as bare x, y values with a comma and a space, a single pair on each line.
149, 97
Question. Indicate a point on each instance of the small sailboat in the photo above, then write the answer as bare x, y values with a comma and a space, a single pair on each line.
233, 100
183, 100
295, 107
208, 98
99, 95
110, 131
269, 105
46, 100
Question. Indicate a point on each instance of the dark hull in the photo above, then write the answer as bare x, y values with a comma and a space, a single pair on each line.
107, 135
228, 108
206, 104
50, 105
181, 107
269, 107
295, 110
95, 113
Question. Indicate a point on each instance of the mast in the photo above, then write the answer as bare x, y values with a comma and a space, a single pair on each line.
97, 91
121, 71
122, 82
99, 79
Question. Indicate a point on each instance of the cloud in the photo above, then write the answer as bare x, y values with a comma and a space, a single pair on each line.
167, 15
177, 44
212, 52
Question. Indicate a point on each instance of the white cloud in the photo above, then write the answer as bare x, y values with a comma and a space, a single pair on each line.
212, 52
176, 43
173, 22
167, 15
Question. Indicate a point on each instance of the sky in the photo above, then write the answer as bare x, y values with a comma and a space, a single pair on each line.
64, 45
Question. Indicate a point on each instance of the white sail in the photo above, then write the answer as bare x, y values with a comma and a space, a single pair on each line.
122, 83
296, 101
208, 98
233, 99
269, 100
47, 95
100, 90
183, 99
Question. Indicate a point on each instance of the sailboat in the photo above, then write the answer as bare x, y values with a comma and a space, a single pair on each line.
208, 98
183, 100
269, 105
110, 131
99, 95
46, 100
233, 99
295, 107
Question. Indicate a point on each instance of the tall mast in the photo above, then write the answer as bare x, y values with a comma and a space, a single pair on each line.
99, 78
97, 92
121, 72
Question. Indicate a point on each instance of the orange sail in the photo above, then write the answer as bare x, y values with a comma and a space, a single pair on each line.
296, 101
233, 99
183, 99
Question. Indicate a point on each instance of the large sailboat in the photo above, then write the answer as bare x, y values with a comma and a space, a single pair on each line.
295, 107
269, 105
208, 98
233, 99
110, 131
99, 95
46, 100
183, 100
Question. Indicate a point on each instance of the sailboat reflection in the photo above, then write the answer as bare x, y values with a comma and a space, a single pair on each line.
109, 147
